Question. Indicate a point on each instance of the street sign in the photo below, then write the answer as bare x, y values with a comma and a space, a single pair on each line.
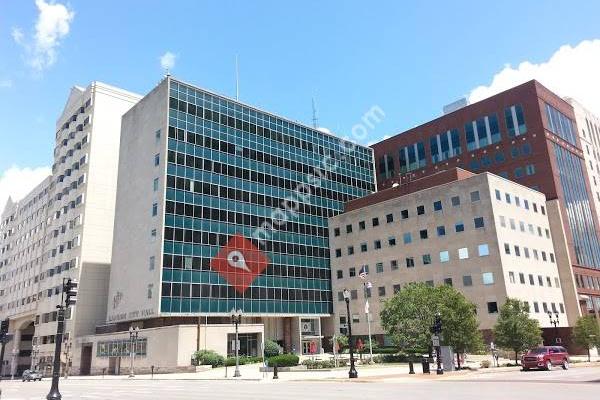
435, 340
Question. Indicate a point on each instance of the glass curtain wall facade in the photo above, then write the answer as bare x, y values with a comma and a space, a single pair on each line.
230, 169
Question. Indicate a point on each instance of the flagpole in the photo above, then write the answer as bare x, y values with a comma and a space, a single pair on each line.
368, 313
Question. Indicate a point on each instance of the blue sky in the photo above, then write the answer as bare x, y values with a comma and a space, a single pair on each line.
409, 59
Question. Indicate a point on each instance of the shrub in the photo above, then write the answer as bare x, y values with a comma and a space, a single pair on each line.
313, 364
209, 357
271, 348
390, 358
230, 361
284, 360
485, 364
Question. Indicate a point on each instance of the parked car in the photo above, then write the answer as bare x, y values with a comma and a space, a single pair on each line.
545, 357
29, 375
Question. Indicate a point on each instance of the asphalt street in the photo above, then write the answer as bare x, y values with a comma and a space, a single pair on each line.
577, 383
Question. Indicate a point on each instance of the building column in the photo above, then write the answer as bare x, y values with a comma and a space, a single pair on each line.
287, 334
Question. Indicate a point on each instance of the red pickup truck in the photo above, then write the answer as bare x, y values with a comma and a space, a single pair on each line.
545, 357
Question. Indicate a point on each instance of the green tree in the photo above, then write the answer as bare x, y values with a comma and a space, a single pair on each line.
514, 330
340, 340
586, 333
460, 328
409, 315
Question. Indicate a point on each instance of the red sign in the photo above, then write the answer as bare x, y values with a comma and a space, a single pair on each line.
239, 262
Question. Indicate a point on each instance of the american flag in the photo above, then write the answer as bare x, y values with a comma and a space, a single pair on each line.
362, 274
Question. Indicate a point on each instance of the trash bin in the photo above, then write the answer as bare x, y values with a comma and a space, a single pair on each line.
425, 365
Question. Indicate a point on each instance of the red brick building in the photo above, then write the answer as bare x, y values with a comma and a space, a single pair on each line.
527, 134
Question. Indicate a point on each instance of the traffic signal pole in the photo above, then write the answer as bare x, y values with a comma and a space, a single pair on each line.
69, 297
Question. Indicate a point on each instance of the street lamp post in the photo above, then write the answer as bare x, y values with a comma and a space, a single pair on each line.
13, 366
133, 337
352, 373
236, 319
554, 322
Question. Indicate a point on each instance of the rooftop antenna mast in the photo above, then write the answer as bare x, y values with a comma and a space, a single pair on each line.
315, 120
237, 79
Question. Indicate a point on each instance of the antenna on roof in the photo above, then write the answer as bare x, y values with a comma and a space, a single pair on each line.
237, 79
315, 120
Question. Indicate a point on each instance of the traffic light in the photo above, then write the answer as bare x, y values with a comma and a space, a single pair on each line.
4, 327
70, 289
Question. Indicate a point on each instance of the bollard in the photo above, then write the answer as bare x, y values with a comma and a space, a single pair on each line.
275, 376
103, 372
152, 372
411, 369
425, 365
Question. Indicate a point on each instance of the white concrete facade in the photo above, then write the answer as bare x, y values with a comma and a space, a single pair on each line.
79, 217
486, 236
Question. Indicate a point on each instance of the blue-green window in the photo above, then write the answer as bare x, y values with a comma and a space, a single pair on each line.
515, 120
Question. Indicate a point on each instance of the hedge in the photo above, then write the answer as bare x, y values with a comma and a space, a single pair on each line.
283, 360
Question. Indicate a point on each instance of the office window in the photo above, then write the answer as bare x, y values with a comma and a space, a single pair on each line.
540, 280
530, 169
350, 250
423, 234
515, 120
517, 201
459, 227
341, 298
377, 244
349, 228
526, 251
420, 210
444, 256
153, 234
545, 307
467, 280
478, 222
338, 252
522, 278
151, 263
507, 197
407, 238
426, 259
336, 231
543, 210
394, 265
392, 241
475, 196
502, 221
548, 281
155, 185
363, 247
556, 282
412, 157
441, 230
379, 267
562, 308
381, 291
375, 222
483, 250
154, 209
361, 225
352, 272
455, 200
437, 205
498, 195
526, 204
404, 214
340, 274
156, 160
488, 278
389, 218
531, 280
517, 251
355, 318
448, 281
511, 277
512, 224
536, 307
396, 289
463, 253
410, 262
157, 136
492, 307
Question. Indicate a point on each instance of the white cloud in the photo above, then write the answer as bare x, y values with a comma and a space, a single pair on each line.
570, 71
17, 35
52, 25
6, 83
18, 182
167, 61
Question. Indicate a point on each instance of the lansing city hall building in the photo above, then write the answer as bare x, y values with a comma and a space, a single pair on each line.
202, 180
